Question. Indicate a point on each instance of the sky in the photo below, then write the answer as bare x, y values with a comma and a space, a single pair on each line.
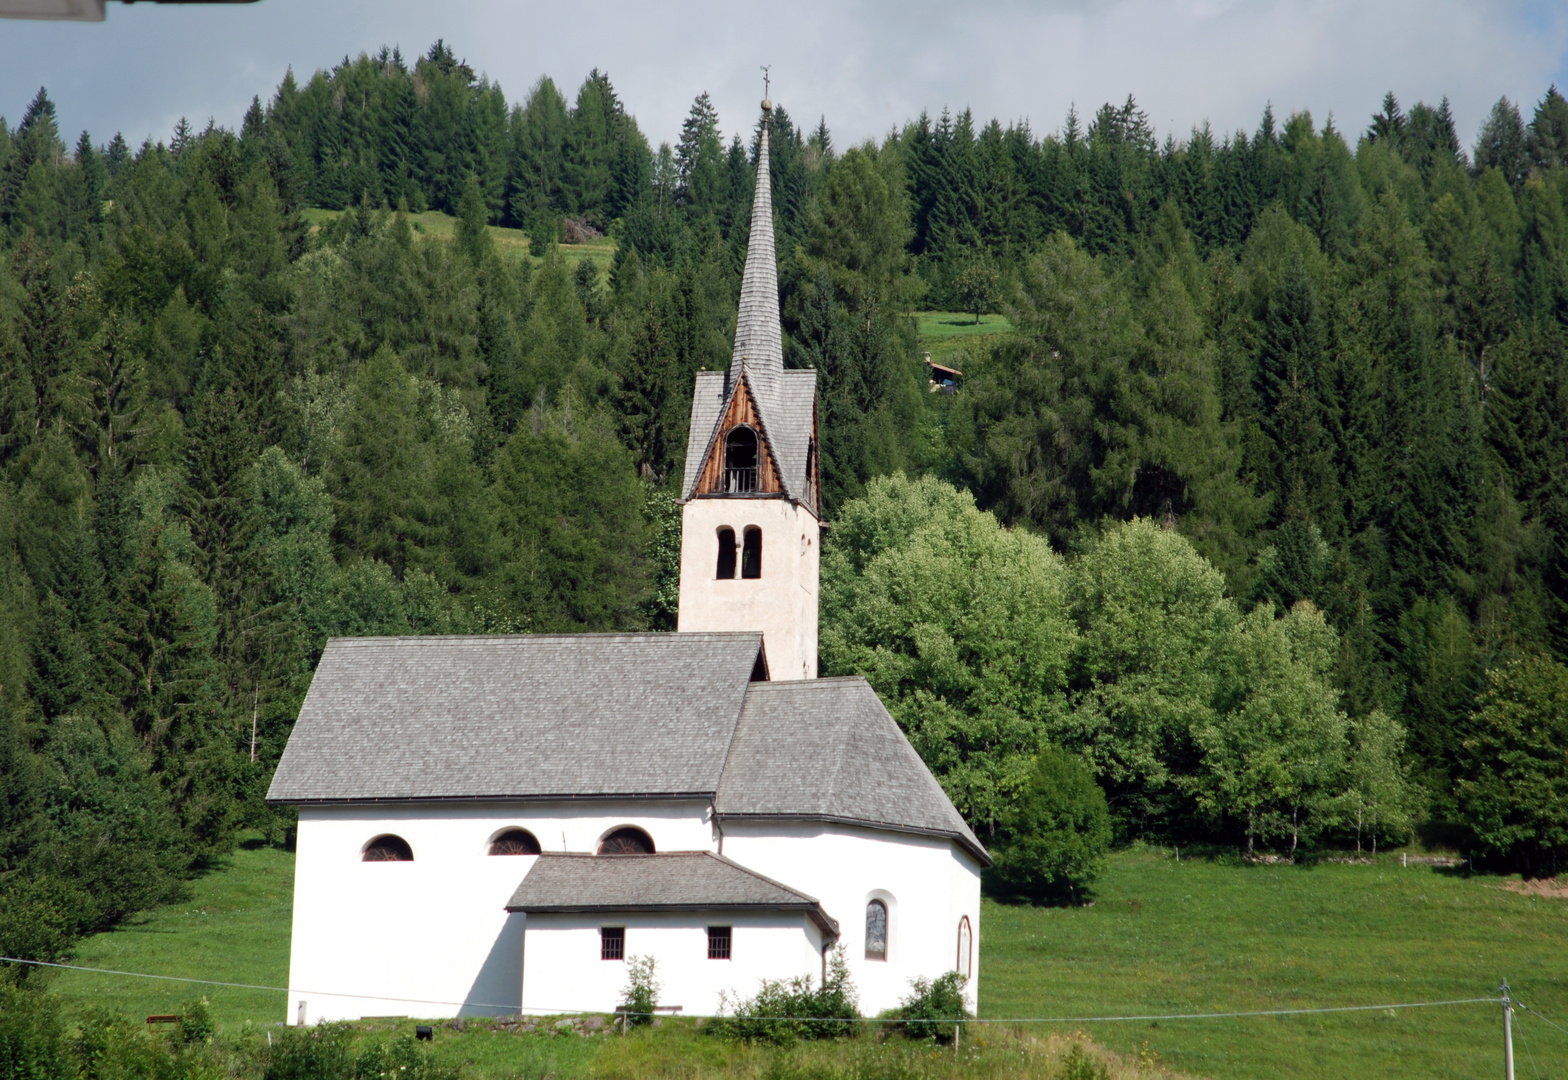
864, 65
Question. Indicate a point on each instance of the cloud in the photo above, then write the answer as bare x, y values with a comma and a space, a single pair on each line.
865, 66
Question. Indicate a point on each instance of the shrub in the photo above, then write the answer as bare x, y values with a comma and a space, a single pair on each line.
32, 1045
641, 995
196, 1024
933, 1008
786, 1010
1055, 836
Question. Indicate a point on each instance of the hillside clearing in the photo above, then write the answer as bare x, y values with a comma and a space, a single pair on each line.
509, 243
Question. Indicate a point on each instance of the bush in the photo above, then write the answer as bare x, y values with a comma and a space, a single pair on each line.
933, 1009
787, 1010
641, 995
1055, 836
196, 1026
32, 1045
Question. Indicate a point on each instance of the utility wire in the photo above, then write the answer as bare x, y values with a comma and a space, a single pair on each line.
847, 1020
1526, 1040
1539, 1017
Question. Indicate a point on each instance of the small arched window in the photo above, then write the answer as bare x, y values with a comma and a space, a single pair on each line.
751, 554
965, 947
876, 930
626, 841
740, 460
388, 849
726, 553
515, 842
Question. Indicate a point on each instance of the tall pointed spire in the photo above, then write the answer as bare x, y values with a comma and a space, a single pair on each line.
758, 341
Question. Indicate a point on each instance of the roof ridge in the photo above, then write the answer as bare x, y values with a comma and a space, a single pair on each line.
762, 877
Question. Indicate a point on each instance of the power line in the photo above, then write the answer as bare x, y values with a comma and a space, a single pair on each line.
859, 1020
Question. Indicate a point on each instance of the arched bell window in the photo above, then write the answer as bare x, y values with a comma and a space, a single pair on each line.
726, 553
740, 460
876, 930
387, 849
965, 947
515, 842
626, 841
751, 553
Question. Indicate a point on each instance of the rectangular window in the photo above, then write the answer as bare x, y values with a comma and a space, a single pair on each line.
718, 943
612, 943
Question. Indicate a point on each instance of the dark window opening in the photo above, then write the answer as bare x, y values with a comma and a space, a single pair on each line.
759, 668
876, 930
515, 842
740, 460
612, 943
726, 553
751, 554
718, 943
627, 841
965, 947
811, 474
388, 849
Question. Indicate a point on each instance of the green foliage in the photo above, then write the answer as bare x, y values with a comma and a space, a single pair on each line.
32, 1039
641, 994
786, 1011
932, 1008
961, 625
1055, 835
1517, 798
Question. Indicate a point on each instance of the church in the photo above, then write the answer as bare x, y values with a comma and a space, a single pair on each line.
496, 825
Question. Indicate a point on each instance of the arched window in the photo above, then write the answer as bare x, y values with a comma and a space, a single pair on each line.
740, 460
626, 841
965, 947
726, 553
751, 553
515, 842
876, 930
388, 849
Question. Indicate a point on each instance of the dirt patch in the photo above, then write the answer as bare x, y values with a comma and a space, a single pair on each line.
1556, 888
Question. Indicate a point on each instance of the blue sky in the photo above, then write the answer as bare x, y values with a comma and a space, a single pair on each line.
865, 65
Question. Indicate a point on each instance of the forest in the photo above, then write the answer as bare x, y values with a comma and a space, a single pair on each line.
1260, 516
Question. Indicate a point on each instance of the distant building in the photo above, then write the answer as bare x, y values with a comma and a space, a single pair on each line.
497, 824
943, 379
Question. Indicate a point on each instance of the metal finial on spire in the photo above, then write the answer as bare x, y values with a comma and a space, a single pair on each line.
767, 96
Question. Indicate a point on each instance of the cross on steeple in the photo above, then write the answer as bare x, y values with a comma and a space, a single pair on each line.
765, 83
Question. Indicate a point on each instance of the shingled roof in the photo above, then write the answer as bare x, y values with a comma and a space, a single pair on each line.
828, 749
604, 716
672, 881
516, 716
786, 400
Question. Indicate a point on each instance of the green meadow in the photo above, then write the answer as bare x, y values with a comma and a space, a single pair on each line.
1163, 936
954, 336
509, 243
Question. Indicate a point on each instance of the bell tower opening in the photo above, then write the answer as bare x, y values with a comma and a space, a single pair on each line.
740, 461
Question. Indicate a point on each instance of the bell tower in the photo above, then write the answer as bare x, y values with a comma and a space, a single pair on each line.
750, 533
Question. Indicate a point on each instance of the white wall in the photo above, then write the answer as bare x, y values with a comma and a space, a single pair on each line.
435, 929
563, 971
782, 603
928, 883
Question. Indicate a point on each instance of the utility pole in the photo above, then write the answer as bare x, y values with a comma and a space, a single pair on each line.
1508, 1033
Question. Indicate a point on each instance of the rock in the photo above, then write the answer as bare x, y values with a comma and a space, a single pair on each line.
527, 1029
457, 1025
702, 1021
657, 1022
565, 1025
593, 1023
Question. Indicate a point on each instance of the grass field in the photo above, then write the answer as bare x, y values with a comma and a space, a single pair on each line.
1201, 936
510, 243
1162, 937
946, 333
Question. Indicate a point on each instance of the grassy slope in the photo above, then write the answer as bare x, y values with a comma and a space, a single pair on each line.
234, 928
1162, 937
510, 243
1194, 936
946, 333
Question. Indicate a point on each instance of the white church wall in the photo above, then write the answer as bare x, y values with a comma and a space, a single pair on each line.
435, 930
928, 884
782, 603
563, 972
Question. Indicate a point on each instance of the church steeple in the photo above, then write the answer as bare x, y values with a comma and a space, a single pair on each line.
750, 537
758, 342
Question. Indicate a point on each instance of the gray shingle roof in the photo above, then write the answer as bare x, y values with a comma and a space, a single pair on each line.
786, 400
604, 715
677, 880
828, 748
516, 716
